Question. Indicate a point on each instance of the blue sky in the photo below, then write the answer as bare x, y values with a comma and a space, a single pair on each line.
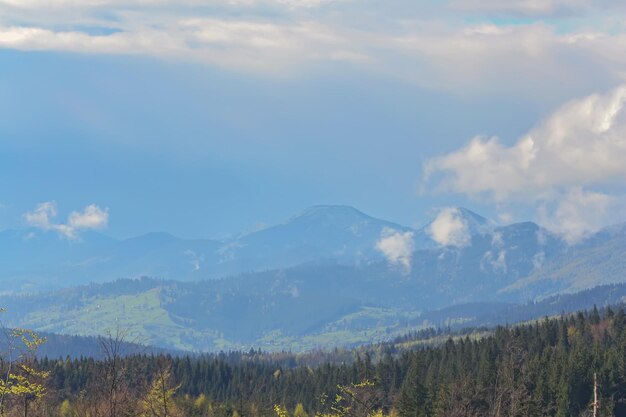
209, 118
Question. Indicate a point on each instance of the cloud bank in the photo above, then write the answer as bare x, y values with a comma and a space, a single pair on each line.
91, 218
397, 247
561, 165
434, 45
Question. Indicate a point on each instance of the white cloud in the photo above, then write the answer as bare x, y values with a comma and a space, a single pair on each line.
450, 228
149, 4
423, 45
578, 214
92, 217
505, 218
397, 247
42, 216
242, 44
582, 145
536, 8
524, 7
41, 39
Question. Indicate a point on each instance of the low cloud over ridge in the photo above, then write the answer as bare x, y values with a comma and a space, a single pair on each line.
397, 247
450, 228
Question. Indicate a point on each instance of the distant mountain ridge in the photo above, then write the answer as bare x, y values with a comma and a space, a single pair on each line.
521, 257
43, 259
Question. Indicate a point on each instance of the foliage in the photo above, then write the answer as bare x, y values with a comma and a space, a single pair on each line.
159, 401
22, 381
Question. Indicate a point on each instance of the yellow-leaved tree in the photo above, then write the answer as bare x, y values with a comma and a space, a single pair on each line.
354, 400
21, 383
159, 401
299, 411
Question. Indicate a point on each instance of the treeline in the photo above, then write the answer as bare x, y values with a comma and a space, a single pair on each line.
548, 368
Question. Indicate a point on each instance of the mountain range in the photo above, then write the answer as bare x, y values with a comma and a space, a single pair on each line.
331, 275
33, 259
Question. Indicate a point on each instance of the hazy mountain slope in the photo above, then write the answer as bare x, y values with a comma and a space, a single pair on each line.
599, 260
211, 314
32, 258
274, 311
340, 233
493, 314
494, 258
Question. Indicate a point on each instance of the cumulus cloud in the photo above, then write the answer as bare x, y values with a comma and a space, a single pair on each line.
92, 217
43, 217
556, 165
397, 247
581, 143
450, 228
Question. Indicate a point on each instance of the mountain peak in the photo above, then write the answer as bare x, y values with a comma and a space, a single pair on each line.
330, 212
454, 226
470, 216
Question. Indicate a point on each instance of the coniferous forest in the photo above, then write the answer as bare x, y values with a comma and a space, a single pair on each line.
569, 366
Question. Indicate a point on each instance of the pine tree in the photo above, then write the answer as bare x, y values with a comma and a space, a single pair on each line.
413, 394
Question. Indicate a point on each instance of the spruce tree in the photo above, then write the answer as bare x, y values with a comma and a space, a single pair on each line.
413, 394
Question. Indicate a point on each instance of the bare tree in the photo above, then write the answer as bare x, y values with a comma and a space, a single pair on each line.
461, 398
511, 395
115, 377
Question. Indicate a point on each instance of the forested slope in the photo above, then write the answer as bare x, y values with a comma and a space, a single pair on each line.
542, 369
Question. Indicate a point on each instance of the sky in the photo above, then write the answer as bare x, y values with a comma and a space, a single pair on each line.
208, 118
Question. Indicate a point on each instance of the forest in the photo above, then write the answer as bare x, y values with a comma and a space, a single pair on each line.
573, 365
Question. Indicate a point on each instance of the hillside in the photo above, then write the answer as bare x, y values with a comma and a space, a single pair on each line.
295, 309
